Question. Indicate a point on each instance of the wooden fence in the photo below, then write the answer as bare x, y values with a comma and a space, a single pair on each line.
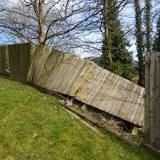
15, 60
19, 60
90, 84
85, 81
78, 78
4, 60
152, 101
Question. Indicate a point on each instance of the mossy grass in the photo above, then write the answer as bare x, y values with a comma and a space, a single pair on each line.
36, 126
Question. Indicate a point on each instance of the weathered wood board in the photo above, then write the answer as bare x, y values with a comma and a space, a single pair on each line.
19, 59
152, 101
88, 83
4, 60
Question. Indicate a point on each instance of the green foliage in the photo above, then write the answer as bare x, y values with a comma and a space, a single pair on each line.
124, 70
148, 24
156, 45
116, 56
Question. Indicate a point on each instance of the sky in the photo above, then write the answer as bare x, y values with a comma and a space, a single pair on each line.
127, 17
127, 20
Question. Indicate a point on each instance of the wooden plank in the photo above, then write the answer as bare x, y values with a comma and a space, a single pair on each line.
100, 92
157, 109
138, 112
86, 82
158, 101
137, 107
152, 100
67, 83
19, 57
114, 90
147, 99
2, 60
100, 78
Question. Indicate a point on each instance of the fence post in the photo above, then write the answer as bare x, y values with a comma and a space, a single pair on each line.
147, 98
152, 101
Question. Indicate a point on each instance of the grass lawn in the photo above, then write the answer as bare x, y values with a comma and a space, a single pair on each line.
35, 126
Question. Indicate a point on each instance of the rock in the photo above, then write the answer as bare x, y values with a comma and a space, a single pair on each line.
69, 103
104, 119
35, 135
84, 107
135, 131
62, 102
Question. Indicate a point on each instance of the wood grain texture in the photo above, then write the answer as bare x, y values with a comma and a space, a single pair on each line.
85, 81
152, 100
19, 59
4, 60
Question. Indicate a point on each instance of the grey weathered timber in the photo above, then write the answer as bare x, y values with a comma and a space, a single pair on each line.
147, 100
152, 101
157, 101
19, 57
88, 83
4, 60
152, 96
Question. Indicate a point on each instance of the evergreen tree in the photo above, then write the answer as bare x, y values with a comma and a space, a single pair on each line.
156, 45
148, 24
139, 41
115, 55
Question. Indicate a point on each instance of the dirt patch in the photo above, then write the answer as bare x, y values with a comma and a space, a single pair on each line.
122, 129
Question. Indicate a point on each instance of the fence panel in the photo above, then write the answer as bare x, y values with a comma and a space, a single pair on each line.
152, 100
88, 83
4, 60
19, 56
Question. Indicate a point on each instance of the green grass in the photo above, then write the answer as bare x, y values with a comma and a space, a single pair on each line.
35, 126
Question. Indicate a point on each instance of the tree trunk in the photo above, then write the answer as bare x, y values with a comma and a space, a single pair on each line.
139, 40
41, 21
148, 24
106, 50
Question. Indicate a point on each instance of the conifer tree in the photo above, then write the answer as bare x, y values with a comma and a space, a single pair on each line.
139, 41
156, 45
115, 56
148, 24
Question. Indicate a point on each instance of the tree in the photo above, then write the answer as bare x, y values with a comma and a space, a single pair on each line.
115, 56
53, 23
139, 41
148, 24
156, 45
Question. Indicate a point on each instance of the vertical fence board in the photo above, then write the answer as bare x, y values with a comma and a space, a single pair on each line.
19, 56
158, 102
157, 110
152, 101
147, 99
4, 64
2, 60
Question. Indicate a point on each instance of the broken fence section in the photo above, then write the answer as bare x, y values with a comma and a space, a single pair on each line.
88, 83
